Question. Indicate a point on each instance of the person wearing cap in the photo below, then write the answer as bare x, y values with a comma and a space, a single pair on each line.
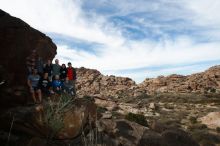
71, 74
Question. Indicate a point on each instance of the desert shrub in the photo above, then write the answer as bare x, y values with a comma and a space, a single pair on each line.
138, 118
218, 129
193, 120
89, 98
144, 96
169, 106
101, 109
54, 112
197, 126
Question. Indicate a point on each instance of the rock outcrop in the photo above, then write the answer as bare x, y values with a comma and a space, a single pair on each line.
17, 42
92, 82
208, 81
212, 120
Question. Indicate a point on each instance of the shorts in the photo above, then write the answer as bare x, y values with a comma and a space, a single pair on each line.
34, 89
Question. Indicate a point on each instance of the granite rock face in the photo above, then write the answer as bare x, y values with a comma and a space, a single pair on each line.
92, 82
208, 81
18, 40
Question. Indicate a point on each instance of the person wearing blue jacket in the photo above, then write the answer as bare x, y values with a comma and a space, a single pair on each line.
57, 85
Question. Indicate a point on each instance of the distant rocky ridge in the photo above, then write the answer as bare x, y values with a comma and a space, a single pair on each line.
207, 81
92, 82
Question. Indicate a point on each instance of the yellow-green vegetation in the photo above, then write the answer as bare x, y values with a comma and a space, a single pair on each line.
197, 126
54, 111
218, 129
138, 118
101, 109
193, 120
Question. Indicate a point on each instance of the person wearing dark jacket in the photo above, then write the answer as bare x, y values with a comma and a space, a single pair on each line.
71, 74
45, 84
40, 66
48, 69
63, 72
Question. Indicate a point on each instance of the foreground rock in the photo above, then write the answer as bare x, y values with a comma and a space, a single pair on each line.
123, 133
55, 120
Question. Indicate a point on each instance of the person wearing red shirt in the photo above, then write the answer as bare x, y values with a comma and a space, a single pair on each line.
71, 74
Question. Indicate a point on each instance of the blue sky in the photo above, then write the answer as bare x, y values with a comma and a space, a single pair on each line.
134, 38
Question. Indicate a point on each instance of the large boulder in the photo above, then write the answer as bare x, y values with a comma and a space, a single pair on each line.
212, 120
91, 82
18, 41
122, 132
172, 137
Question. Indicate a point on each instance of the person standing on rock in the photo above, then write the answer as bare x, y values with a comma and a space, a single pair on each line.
48, 69
71, 74
56, 68
63, 72
40, 66
33, 84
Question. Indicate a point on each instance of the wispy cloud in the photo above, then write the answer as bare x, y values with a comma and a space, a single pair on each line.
113, 36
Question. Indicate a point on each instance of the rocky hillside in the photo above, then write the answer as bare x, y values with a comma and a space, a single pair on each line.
18, 40
92, 82
208, 81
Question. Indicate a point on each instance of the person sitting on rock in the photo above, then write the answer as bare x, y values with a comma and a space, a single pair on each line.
63, 72
57, 85
56, 68
68, 87
33, 83
48, 69
45, 84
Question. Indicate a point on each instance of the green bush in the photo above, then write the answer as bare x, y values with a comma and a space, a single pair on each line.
218, 129
197, 126
101, 109
193, 120
138, 118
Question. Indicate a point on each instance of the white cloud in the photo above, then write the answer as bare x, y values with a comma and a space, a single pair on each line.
205, 12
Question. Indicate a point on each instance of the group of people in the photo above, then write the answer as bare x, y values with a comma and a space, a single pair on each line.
51, 79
